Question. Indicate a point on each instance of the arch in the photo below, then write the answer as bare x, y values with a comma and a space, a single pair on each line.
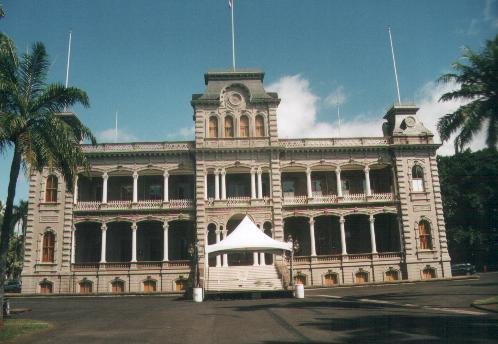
418, 178
298, 228
228, 126
150, 241
424, 235
391, 275
149, 285
48, 247
181, 284
88, 237
86, 286
361, 277
387, 232
238, 87
46, 286
117, 286
120, 171
259, 126
357, 230
51, 189
429, 272
330, 278
213, 127
244, 126
327, 235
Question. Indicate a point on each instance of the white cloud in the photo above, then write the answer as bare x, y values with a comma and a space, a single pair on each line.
337, 96
185, 133
297, 113
109, 135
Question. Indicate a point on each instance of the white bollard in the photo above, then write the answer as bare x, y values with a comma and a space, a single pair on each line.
197, 294
299, 294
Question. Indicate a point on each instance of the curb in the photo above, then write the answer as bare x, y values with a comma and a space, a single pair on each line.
99, 295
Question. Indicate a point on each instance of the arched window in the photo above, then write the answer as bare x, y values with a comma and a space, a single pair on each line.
244, 126
330, 279
424, 232
180, 284
300, 279
213, 126
259, 126
85, 287
117, 286
228, 126
149, 286
428, 273
392, 275
48, 246
361, 277
45, 287
417, 178
51, 189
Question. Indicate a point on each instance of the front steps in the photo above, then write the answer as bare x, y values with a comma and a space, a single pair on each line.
239, 278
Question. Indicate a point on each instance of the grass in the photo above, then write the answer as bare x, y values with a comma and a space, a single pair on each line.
488, 301
14, 328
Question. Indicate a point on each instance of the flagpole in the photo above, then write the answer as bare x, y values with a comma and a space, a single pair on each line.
116, 128
394, 63
68, 58
232, 2
339, 120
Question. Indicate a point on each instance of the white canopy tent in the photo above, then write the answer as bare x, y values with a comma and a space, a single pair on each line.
248, 237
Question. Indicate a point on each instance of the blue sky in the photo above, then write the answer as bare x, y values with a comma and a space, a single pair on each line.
145, 58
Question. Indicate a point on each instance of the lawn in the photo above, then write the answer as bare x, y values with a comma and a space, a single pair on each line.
17, 327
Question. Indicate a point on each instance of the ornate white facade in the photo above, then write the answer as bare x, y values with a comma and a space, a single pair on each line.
360, 209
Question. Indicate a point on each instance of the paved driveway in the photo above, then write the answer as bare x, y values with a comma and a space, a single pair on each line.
419, 312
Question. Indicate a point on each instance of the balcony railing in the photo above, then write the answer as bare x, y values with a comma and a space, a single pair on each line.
127, 205
339, 258
333, 199
238, 201
175, 264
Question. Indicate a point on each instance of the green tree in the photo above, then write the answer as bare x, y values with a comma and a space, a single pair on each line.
477, 77
470, 202
15, 254
32, 127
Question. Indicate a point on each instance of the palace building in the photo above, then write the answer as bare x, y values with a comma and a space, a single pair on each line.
358, 210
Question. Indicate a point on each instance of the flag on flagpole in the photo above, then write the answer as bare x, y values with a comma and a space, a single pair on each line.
230, 3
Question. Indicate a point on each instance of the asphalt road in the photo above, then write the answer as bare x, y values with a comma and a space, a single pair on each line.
413, 313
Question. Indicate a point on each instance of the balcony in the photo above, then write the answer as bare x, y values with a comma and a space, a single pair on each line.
289, 200
129, 205
338, 258
126, 266
231, 202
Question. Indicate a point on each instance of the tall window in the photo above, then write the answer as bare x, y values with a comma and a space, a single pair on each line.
244, 126
85, 287
117, 286
228, 126
149, 286
48, 246
424, 232
51, 189
259, 127
213, 127
417, 179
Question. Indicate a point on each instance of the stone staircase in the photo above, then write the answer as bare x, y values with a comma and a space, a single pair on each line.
239, 278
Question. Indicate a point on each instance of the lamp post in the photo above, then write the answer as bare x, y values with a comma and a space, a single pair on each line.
193, 252
294, 247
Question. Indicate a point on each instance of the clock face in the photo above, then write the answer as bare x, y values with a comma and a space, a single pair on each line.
235, 99
410, 121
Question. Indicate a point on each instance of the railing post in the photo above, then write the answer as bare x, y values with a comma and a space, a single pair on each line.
165, 241
103, 243
372, 233
105, 177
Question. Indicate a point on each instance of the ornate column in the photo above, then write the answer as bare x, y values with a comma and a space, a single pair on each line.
342, 220
218, 256
225, 256
338, 181
75, 190
134, 228
205, 186
135, 187
260, 183
216, 184
103, 243
312, 236
253, 184
165, 241
308, 182
73, 245
223, 184
367, 181
105, 177
166, 186
372, 233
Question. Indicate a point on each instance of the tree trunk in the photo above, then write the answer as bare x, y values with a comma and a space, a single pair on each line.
7, 222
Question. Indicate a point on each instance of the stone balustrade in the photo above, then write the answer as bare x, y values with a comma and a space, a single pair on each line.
129, 205
334, 199
173, 264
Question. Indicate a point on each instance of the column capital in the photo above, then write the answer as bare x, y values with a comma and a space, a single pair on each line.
165, 225
259, 170
216, 172
105, 175
135, 175
223, 172
308, 170
366, 169
338, 169
312, 221
342, 219
103, 227
166, 173
371, 218
134, 226
253, 170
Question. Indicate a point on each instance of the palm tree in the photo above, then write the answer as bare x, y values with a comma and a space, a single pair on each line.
478, 81
31, 125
